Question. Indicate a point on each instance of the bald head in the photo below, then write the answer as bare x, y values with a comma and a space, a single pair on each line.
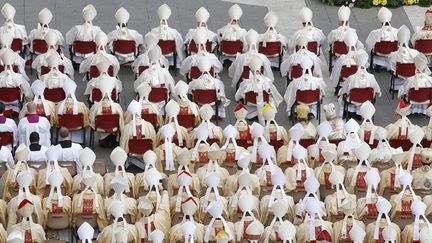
31, 107
64, 133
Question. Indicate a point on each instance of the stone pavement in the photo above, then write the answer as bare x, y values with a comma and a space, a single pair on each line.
144, 17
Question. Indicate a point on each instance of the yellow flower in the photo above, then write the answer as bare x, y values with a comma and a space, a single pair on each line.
384, 2
376, 2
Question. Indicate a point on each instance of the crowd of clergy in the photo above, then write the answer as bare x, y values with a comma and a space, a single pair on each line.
335, 180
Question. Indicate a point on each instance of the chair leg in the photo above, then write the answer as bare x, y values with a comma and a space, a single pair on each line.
371, 62
92, 138
84, 136
330, 58
175, 64
217, 113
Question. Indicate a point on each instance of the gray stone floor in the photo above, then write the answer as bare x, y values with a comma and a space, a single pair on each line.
144, 17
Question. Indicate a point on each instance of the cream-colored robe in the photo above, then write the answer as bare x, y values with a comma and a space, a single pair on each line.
8, 179
107, 233
231, 184
12, 210
303, 230
203, 171
176, 234
66, 207
100, 210
43, 187
109, 176
68, 109
37, 231
147, 132
337, 230
161, 218
40, 110
160, 152
130, 206
334, 212
78, 187
383, 223
218, 226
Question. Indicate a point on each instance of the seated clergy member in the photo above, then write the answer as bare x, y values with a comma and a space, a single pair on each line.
41, 60
36, 151
8, 125
34, 123
33, 232
137, 128
10, 79
101, 40
232, 30
44, 107
68, 150
164, 32
425, 32
71, 106
122, 32
10, 27
107, 107
45, 16
202, 16
308, 29
402, 125
83, 32
385, 33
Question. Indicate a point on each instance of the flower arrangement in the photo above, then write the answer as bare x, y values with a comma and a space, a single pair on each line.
377, 3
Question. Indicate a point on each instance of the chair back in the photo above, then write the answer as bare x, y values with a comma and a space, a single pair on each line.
312, 46
195, 73
204, 96
348, 71
37, 165
251, 97
91, 219
405, 70
192, 48
46, 69
246, 72
124, 46
142, 69
421, 95
10, 95
296, 71
6, 138
186, 121
17, 45
139, 146
168, 47
71, 122
70, 166
107, 123
100, 166
55, 95
94, 71
405, 144
97, 95
385, 47
14, 68
84, 47
306, 142
150, 117
158, 95
360, 95
308, 97
39, 46
231, 48
339, 48
271, 49
424, 46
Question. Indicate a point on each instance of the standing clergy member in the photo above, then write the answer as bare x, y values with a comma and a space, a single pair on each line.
34, 123
122, 32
